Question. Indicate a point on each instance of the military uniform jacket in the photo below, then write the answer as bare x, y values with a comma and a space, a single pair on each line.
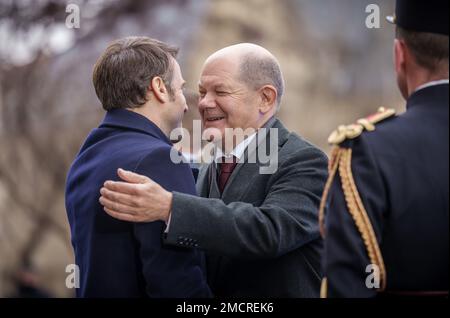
387, 203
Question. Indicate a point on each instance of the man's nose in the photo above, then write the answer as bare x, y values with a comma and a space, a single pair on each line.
206, 102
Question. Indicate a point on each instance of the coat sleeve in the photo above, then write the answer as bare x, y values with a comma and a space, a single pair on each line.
346, 258
285, 221
168, 271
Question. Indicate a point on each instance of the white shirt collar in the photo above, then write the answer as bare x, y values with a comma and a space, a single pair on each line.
433, 83
237, 152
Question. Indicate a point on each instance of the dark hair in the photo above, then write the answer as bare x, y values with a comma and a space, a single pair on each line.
429, 49
125, 70
257, 71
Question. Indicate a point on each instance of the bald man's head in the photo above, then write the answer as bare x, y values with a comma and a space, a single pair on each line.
256, 66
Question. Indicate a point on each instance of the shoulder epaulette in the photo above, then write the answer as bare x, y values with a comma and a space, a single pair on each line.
352, 131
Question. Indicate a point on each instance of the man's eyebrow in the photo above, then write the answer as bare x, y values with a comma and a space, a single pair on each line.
221, 86
217, 86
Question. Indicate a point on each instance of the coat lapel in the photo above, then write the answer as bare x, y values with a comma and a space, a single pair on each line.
244, 174
207, 186
202, 184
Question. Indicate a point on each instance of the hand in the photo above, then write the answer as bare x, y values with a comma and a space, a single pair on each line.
138, 199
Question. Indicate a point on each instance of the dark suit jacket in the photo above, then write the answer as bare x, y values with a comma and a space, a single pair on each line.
261, 236
401, 172
122, 259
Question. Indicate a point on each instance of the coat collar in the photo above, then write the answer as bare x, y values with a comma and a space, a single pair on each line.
430, 95
125, 119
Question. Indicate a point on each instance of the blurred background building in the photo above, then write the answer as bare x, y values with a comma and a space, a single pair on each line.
336, 70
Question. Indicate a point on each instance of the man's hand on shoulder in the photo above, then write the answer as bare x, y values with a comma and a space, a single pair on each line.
137, 199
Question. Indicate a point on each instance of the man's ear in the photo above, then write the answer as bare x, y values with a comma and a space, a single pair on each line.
268, 97
400, 52
159, 89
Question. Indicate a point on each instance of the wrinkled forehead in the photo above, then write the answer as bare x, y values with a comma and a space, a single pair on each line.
219, 70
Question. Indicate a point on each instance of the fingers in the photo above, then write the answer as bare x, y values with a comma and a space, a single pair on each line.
132, 177
122, 187
118, 197
121, 216
118, 207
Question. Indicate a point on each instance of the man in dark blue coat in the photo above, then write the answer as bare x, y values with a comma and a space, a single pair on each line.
140, 85
386, 226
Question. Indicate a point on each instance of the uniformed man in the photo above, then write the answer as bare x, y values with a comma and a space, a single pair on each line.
385, 212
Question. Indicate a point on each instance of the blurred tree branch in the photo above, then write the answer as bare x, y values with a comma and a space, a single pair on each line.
26, 14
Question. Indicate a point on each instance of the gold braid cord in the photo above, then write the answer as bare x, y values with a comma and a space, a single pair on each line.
333, 165
359, 214
341, 160
324, 288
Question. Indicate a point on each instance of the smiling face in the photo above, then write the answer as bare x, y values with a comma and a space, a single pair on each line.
225, 102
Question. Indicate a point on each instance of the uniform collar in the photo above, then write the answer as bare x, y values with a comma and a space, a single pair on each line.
433, 83
435, 94
125, 119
